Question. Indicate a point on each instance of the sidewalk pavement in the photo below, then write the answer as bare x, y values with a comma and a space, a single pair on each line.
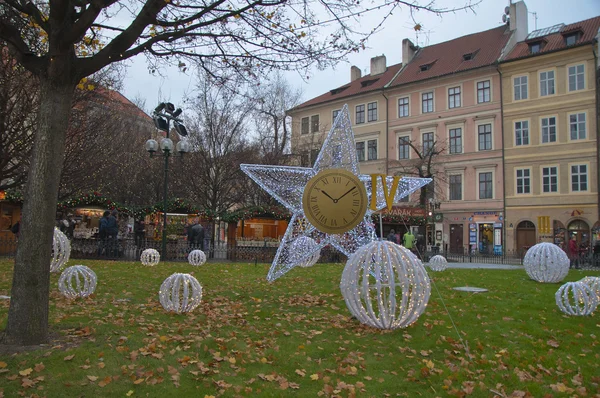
484, 266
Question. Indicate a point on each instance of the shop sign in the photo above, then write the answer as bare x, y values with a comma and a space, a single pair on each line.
404, 211
497, 225
438, 217
485, 213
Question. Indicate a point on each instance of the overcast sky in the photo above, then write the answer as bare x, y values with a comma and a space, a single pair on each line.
139, 83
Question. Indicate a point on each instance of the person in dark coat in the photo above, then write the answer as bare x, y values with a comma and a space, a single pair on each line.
139, 230
195, 236
103, 233
113, 232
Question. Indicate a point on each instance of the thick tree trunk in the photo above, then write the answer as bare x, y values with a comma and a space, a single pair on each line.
28, 312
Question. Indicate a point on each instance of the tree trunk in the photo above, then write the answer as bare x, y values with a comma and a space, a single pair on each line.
28, 312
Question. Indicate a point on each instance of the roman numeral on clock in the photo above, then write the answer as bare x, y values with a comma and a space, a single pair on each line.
337, 180
333, 222
355, 202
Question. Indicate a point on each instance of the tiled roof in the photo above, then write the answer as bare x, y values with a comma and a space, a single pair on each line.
113, 96
363, 85
451, 56
556, 41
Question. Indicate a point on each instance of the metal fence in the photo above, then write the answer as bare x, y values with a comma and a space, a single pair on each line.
130, 250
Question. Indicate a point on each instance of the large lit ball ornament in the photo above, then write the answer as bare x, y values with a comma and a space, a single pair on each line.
180, 293
196, 257
546, 263
150, 257
61, 250
576, 298
77, 281
385, 285
594, 283
438, 263
301, 246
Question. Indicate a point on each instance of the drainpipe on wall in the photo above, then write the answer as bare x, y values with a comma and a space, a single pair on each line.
504, 243
387, 138
596, 67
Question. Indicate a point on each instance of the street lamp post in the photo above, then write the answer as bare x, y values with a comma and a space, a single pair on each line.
163, 115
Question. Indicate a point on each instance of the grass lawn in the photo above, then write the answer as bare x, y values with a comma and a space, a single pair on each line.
295, 337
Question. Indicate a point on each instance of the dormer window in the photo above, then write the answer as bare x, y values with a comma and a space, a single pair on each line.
366, 83
338, 90
571, 38
535, 47
470, 56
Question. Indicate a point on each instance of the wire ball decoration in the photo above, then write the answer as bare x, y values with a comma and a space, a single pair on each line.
150, 257
299, 248
438, 263
196, 257
546, 263
180, 293
385, 285
594, 283
77, 281
576, 298
61, 250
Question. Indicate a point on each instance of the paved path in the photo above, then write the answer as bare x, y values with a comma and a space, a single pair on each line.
484, 266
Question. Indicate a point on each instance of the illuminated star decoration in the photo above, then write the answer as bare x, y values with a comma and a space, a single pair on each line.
286, 184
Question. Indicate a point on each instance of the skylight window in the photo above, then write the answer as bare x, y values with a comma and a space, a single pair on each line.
368, 82
338, 90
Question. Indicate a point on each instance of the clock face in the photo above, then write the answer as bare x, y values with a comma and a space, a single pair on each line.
334, 201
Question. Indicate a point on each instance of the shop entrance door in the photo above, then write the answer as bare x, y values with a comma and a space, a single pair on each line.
525, 236
456, 238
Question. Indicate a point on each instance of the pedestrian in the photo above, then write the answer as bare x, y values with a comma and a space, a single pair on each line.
16, 228
113, 232
597, 253
574, 252
71, 226
195, 235
392, 236
139, 231
103, 233
409, 240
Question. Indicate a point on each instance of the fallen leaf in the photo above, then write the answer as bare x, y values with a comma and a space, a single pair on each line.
92, 378
69, 357
553, 343
3, 365
300, 373
138, 381
39, 367
101, 365
26, 372
129, 393
314, 377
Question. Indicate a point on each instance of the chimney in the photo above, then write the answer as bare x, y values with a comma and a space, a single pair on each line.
355, 73
378, 65
408, 51
518, 20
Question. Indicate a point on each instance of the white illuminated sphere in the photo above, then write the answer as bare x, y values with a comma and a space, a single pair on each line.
180, 293
150, 257
546, 263
196, 257
594, 283
61, 250
438, 263
385, 285
576, 298
300, 247
77, 281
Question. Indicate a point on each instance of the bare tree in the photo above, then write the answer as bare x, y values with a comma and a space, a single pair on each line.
427, 164
61, 42
218, 132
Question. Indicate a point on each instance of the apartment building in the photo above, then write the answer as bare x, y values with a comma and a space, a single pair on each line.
549, 97
312, 120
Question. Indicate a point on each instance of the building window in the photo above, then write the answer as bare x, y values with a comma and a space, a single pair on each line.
535, 48
372, 150
456, 140
579, 178
548, 130
456, 187
404, 147
372, 111
427, 143
547, 83
577, 126
571, 39
576, 78
483, 92
304, 129
549, 179
360, 114
427, 102
485, 186
454, 97
484, 132
335, 114
523, 181
360, 151
314, 124
520, 87
522, 133
403, 107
